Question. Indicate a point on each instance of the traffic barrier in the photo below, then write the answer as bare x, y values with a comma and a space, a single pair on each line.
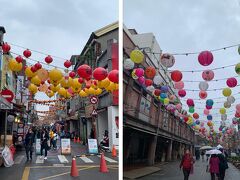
103, 164
74, 170
114, 151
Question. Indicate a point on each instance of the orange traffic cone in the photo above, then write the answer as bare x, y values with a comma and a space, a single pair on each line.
114, 151
74, 140
78, 140
103, 164
74, 171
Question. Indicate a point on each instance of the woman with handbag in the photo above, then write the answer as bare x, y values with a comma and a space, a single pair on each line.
29, 139
44, 142
187, 164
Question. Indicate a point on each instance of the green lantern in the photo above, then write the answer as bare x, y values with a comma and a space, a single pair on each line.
191, 109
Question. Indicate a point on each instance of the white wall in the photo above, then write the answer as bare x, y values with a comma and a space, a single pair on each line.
112, 128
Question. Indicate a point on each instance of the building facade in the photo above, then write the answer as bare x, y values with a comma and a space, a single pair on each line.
151, 134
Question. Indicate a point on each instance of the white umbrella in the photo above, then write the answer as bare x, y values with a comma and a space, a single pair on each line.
214, 151
219, 147
206, 147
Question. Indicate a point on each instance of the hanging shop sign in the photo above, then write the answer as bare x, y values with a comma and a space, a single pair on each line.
92, 146
65, 145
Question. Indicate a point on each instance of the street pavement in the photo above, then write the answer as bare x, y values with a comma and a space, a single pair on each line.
171, 171
58, 166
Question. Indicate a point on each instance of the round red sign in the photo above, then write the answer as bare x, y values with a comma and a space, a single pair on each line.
8, 95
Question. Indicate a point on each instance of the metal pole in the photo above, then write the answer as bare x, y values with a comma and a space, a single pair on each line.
5, 129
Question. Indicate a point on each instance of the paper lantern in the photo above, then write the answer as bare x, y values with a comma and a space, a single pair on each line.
27, 53
34, 69
139, 72
76, 84
206, 111
195, 115
148, 82
227, 104
134, 76
55, 75
12, 64
208, 75
164, 89
237, 68
166, 101
209, 117
128, 64
6, 47
157, 80
67, 63
182, 93
176, 76
38, 66
84, 71
50, 94
48, 59
179, 85
83, 94
137, 56
33, 88
163, 95
141, 80
227, 92
224, 117
209, 102
100, 73
43, 88
209, 123
167, 60
230, 99
205, 58
191, 109
208, 107
157, 92
172, 98
54, 88
150, 88
98, 91
197, 122
238, 108
178, 106
202, 94
231, 82
150, 72
111, 87
19, 59
66, 82
42, 74
36, 80
222, 111
237, 115
190, 102
29, 73
113, 76
203, 86
62, 91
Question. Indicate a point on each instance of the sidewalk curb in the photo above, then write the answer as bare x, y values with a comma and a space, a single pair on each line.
139, 175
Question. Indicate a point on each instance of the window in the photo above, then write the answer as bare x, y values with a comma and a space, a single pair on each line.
145, 105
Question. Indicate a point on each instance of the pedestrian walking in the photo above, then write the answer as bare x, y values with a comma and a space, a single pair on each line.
214, 166
51, 135
223, 165
44, 143
187, 164
202, 154
29, 139
55, 137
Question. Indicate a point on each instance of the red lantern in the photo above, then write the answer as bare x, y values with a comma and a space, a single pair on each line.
6, 48
182, 93
72, 74
232, 82
208, 107
19, 59
34, 69
176, 76
157, 92
84, 71
113, 76
27, 53
150, 72
205, 58
190, 102
38, 66
208, 75
80, 80
148, 82
100, 73
202, 94
185, 118
237, 115
67, 64
195, 115
48, 59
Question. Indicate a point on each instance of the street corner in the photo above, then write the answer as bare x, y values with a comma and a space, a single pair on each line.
64, 173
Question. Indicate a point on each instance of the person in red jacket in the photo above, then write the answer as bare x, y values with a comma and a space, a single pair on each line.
187, 164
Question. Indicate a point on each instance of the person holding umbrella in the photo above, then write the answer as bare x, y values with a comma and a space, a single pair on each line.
223, 165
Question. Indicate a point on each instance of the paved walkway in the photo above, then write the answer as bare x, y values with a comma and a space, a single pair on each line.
171, 171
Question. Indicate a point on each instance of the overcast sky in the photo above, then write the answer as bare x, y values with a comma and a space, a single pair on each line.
57, 27
189, 26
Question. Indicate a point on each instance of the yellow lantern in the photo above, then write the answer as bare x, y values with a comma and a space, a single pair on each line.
111, 87
104, 83
54, 88
33, 88
222, 111
29, 72
98, 91
62, 92
76, 84
117, 86
55, 75
43, 87
18, 67
36, 80
91, 90
50, 94
137, 56
76, 90
55, 83
166, 101
227, 92
66, 82
42, 74
68, 95
83, 94
13, 65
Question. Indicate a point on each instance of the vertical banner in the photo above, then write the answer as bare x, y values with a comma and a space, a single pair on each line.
115, 65
92, 146
65, 144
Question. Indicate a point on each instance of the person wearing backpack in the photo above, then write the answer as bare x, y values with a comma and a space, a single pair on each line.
223, 165
187, 164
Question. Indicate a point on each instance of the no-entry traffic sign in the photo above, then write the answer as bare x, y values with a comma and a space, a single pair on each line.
93, 100
7, 94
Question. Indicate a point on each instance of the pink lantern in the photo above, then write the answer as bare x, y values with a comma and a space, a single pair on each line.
208, 107
179, 85
178, 106
139, 72
141, 80
238, 108
190, 102
208, 75
172, 98
205, 58
231, 82
182, 93
176, 75
206, 111
202, 94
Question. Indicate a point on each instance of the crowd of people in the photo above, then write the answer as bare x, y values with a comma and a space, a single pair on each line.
216, 164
